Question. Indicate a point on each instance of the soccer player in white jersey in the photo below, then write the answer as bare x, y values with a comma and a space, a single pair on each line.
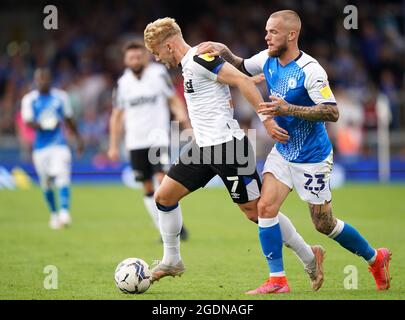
142, 100
301, 103
46, 109
210, 109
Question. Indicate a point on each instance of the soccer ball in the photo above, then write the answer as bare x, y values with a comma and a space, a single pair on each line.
133, 276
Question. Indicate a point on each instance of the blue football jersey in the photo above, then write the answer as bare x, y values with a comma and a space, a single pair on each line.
301, 82
52, 107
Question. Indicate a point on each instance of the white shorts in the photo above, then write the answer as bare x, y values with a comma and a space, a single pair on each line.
311, 180
53, 162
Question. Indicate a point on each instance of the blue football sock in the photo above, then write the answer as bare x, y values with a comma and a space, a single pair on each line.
272, 244
64, 198
350, 239
50, 200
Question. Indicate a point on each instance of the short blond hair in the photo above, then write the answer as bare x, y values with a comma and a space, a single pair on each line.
290, 17
159, 30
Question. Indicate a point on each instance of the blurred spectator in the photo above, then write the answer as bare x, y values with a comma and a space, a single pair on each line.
84, 54
390, 89
92, 127
26, 136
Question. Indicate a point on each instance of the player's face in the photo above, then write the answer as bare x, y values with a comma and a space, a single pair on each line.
276, 37
136, 59
42, 80
165, 55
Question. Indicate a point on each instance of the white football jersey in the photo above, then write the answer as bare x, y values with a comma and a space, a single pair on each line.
146, 110
209, 102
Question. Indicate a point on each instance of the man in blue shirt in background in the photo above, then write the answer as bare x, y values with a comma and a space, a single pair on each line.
46, 109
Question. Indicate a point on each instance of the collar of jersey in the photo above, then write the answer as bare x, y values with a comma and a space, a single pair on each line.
186, 56
295, 60
133, 76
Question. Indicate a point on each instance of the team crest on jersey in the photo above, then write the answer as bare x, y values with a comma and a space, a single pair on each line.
292, 83
188, 86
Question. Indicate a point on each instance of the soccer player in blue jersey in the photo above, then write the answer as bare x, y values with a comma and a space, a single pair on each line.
301, 101
46, 109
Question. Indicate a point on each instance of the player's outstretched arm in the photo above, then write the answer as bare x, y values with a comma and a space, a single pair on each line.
231, 76
70, 123
219, 49
116, 122
319, 112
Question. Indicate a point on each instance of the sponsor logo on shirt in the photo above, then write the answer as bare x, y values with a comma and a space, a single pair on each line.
143, 100
271, 72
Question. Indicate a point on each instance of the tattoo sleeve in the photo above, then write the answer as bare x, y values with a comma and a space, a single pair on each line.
320, 112
231, 58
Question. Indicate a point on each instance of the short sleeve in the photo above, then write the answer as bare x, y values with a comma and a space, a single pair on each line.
254, 65
210, 66
117, 99
27, 112
67, 105
317, 84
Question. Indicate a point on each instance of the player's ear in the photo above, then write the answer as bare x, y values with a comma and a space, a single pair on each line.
292, 35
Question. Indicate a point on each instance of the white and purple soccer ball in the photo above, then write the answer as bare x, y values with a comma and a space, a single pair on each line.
133, 276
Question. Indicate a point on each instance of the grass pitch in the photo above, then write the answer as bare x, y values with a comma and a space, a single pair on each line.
223, 256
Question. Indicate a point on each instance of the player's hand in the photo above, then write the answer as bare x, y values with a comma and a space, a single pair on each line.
212, 48
276, 107
275, 131
258, 78
113, 154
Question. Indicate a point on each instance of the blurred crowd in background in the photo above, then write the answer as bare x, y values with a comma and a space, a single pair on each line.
85, 57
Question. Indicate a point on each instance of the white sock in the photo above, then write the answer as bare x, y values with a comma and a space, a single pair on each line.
150, 206
64, 211
170, 226
293, 240
372, 260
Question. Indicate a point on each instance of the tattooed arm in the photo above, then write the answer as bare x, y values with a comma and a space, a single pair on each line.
319, 112
219, 49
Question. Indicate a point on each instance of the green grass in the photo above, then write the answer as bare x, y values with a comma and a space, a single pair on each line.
223, 257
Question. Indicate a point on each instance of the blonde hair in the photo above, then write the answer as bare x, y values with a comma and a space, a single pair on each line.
159, 30
291, 18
